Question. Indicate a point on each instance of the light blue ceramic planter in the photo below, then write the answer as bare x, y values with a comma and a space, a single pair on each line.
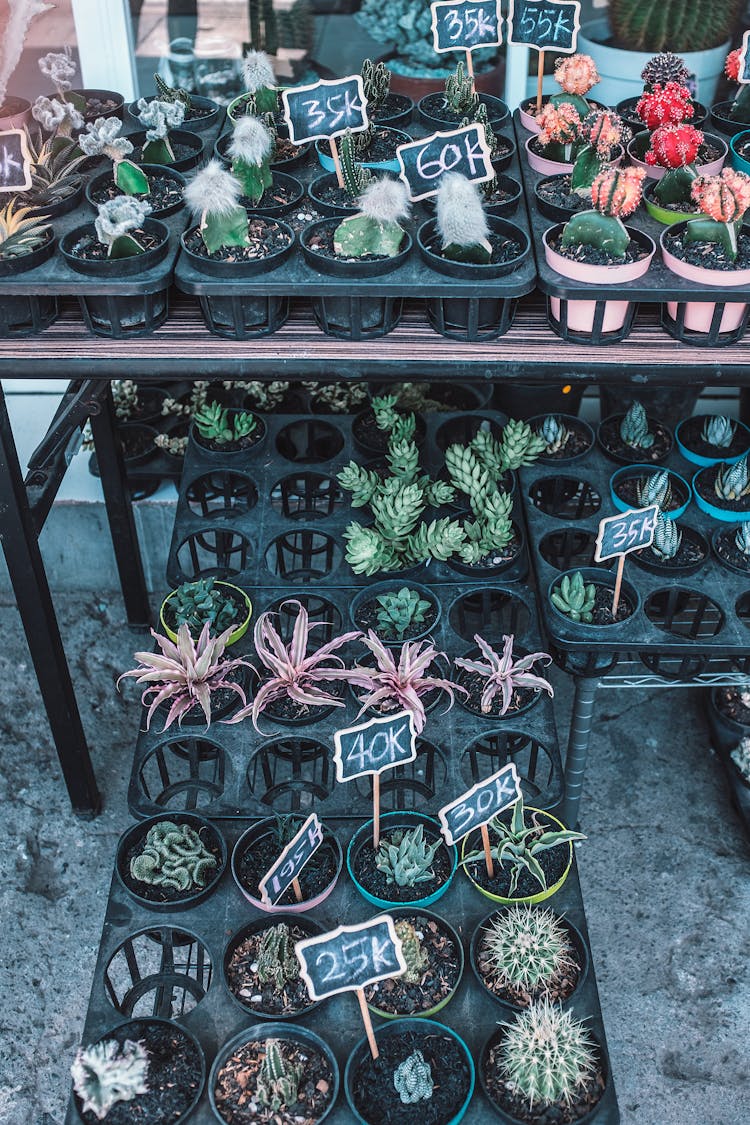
735, 160
378, 165
726, 515
637, 470
418, 1027
388, 822
697, 459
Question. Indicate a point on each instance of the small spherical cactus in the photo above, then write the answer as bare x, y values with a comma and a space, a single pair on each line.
604, 130
617, 191
576, 74
674, 146
665, 67
546, 1055
558, 124
665, 105
725, 197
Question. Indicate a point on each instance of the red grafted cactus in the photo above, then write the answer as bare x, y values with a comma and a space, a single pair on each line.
559, 124
603, 130
576, 74
732, 64
674, 146
617, 191
665, 105
724, 198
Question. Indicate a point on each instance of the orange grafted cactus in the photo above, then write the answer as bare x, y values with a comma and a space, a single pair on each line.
617, 191
724, 198
576, 74
559, 124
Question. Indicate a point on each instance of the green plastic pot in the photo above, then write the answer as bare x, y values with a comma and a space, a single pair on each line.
236, 635
540, 896
405, 912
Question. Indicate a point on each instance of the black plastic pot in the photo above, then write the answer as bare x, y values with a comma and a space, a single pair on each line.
310, 927
725, 532
231, 456
427, 241
721, 120
126, 431
396, 112
247, 841
639, 455
250, 268
290, 184
62, 206
626, 110
648, 560
370, 593
502, 160
510, 716
726, 733
497, 112
572, 423
328, 179
192, 124
166, 171
135, 836
602, 578
178, 137
516, 560
26, 315
102, 95
550, 210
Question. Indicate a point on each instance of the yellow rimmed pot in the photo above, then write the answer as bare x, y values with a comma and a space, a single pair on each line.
473, 842
237, 595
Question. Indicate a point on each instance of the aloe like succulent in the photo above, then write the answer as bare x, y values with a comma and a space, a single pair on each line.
554, 433
502, 673
733, 481
405, 857
667, 538
400, 611
654, 488
718, 430
634, 429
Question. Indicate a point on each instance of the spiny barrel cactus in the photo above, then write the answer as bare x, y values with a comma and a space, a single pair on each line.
526, 947
634, 428
173, 857
399, 611
158, 117
718, 430
115, 222
277, 961
413, 1079
654, 488
667, 538
417, 961
376, 228
660, 25
106, 1073
546, 1055
460, 95
251, 150
356, 176
742, 539
725, 199
461, 221
195, 603
575, 598
554, 433
732, 481
278, 1079
405, 858
376, 81
215, 194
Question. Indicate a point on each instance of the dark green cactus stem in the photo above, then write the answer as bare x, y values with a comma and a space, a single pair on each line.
131, 179
229, 229
174, 857
460, 95
167, 93
588, 164
675, 185
124, 246
576, 100
603, 232
356, 178
417, 961
158, 152
256, 179
482, 118
724, 235
278, 1080
277, 961
672, 25
376, 79
361, 236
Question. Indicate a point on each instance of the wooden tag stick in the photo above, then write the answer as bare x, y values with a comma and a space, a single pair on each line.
539, 81
618, 584
336, 161
487, 853
470, 68
297, 890
368, 1023
375, 810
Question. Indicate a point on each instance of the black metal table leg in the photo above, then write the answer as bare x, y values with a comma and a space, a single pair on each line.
578, 746
120, 514
34, 602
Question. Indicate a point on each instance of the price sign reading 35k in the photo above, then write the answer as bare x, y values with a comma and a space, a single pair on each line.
458, 25
424, 162
325, 110
631, 531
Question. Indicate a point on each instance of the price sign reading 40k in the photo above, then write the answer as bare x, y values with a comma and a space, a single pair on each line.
478, 805
325, 110
15, 161
370, 748
460, 25
424, 162
619, 535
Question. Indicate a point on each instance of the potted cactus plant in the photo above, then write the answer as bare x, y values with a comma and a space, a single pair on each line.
599, 144
733, 116
523, 953
276, 1071
705, 439
585, 598
259, 847
261, 94
26, 240
674, 146
575, 75
640, 486
374, 148
711, 252
206, 601
633, 436
15, 112
676, 549
56, 183
722, 490
251, 149
569, 143
324, 191
732, 547
503, 684
261, 970
434, 958
60, 68
566, 438
155, 181
172, 861
143, 1070
665, 68
396, 612
384, 106
198, 114
459, 102
411, 865
596, 247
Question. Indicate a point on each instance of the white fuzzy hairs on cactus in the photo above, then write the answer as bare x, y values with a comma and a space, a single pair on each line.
55, 115
251, 141
386, 200
460, 216
20, 15
257, 71
213, 191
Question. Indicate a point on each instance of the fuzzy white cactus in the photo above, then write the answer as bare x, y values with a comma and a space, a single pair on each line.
461, 220
257, 71
386, 200
159, 117
56, 116
59, 67
21, 13
115, 221
214, 194
376, 228
251, 141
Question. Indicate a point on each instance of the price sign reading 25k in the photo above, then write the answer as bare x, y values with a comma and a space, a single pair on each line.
480, 803
424, 162
547, 25
458, 25
350, 957
631, 531
325, 110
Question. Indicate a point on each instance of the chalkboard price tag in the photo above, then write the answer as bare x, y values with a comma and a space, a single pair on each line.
424, 162
325, 110
626, 532
381, 744
743, 73
479, 804
458, 25
546, 25
287, 868
15, 161
350, 957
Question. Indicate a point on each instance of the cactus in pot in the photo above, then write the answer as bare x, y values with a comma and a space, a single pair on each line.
278, 1079
260, 83
546, 1055
115, 223
158, 117
615, 194
575, 75
376, 82
733, 481
107, 1073
658, 25
102, 138
664, 67
375, 231
740, 109
215, 194
602, 131
667, 538
460, 95
251, 150
724, 199
461, 221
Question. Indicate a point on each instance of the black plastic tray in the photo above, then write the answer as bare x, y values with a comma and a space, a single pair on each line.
206, 929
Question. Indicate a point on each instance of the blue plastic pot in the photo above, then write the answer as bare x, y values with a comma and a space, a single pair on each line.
726, 515
697, 459
735, 160
382, 165
637, 470
423, 1027
388, 822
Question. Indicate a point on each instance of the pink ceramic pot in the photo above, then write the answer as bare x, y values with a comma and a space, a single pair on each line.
698, 314
654, 172
556, 167
20, 115
581, 313
528, 120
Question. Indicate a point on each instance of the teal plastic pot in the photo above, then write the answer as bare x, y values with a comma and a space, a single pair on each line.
699, 459
726, 515
739, 163
419, 1027
388, 821
379, 165
637, 470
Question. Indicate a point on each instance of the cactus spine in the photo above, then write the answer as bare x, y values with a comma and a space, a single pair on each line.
356, 177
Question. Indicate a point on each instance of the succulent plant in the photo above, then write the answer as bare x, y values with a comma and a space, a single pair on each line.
732, 481
546, 1055
724, 199
554, 433
106, 1073
615, 194
405, 858
185, 674
399, 611
460, 95
518, 845
718, 430
60, 68
461, 221
417, 961
116, 221
575, 598
413, 1079
575, 75
663, 68
654, 488
668, 104
277, 961
526, 947
674, 146
559, 129
167, 93
21, 232
102, 138
356, 176
260, 82
215, 194
742, 539
376, 81
741, 758
251, 150
278, 1079
214, 423
295, 673
658, 25
399, 686
158, 117
502, 674
376, 228
667, 538
634, 429
174, 857
57, 116
54, 167
202, 602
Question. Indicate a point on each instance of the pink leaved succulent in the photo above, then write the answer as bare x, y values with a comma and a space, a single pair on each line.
186, 674
295, 673
502, 673
399, 686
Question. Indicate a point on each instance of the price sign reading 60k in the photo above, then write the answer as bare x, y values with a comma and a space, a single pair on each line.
424, 162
